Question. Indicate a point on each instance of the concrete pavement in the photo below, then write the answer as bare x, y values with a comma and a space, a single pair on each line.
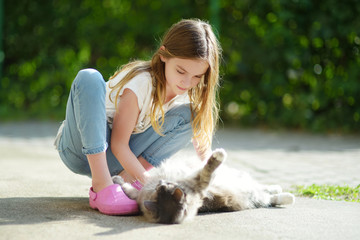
41, 199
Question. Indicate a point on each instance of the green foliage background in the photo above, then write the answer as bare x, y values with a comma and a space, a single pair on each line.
286, 63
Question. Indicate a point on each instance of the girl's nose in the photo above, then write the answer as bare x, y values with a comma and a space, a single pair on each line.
186, 82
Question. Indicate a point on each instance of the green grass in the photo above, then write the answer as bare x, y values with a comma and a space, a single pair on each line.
329, 192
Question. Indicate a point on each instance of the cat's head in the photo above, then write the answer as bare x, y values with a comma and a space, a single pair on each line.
168, 204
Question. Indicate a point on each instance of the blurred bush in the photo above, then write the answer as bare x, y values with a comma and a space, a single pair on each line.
287, 63
292, 63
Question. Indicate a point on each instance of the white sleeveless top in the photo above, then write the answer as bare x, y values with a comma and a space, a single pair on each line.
142, 86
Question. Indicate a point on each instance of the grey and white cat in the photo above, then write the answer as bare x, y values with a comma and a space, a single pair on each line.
177, 192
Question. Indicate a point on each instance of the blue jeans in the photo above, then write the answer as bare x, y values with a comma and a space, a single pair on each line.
86, 130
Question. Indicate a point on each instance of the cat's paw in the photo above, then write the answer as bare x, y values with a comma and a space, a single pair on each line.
283, 199
219, 154
118, 180
287, 198
216, 158
128, 189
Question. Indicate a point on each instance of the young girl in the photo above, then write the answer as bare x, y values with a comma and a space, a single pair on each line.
146, 112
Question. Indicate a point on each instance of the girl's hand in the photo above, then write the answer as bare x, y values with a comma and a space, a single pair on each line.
203, 155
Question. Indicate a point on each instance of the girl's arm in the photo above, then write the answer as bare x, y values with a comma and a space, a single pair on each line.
124, 123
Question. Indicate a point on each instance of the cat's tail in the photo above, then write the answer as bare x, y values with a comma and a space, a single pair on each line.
282, 199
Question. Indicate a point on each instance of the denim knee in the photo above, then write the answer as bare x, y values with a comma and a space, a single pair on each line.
90, 80
182, 115
177, 132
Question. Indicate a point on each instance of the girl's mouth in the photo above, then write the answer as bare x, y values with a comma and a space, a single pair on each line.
182, 89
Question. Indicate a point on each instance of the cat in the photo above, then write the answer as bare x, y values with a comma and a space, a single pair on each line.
175, 193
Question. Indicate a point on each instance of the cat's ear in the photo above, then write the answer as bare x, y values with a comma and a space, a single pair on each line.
178, 194
150, 205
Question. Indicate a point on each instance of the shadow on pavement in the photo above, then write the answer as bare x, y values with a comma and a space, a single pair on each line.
40, 210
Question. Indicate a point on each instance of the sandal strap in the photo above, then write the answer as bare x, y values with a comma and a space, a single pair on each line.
92, 194
136, 184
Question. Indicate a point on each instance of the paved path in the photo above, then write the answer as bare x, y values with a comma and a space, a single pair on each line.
41, 198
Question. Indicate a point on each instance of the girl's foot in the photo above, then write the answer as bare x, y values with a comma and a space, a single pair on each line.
112, 201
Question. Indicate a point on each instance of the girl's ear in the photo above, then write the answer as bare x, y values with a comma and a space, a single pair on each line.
162, 58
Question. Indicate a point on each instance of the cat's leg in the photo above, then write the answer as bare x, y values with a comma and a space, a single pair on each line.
128, 189
272, 189
282, 199
205, 175
216, 158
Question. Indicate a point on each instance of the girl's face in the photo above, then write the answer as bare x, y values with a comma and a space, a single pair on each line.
182, 75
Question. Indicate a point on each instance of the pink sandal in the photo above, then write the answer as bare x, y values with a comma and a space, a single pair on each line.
112, 201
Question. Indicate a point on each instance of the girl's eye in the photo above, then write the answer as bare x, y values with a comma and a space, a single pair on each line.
180, 72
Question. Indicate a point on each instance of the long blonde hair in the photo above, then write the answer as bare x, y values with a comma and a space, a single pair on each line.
187, 39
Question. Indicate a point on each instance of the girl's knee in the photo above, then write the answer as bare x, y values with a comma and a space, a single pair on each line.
183, 112
178, 119
90, 76
89, 80
89, 73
